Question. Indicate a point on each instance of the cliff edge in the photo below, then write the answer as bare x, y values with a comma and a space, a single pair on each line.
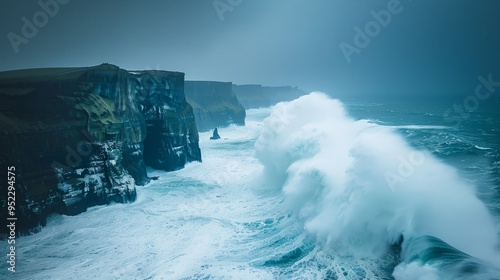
79, 137
258, 96
214, 104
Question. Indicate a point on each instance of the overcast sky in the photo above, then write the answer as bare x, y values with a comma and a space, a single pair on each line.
427, 47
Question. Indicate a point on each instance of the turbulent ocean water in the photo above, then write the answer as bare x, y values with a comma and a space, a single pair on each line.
309, 189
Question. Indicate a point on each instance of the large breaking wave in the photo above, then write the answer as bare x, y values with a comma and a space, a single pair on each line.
360, 188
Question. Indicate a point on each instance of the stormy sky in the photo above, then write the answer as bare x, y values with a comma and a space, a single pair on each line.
342, 47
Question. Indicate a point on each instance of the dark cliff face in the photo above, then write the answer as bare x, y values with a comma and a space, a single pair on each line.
172, 135
78, 137
214, 104
258, 96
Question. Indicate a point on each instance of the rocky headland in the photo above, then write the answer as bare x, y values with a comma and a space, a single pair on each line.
214, 104
79, 137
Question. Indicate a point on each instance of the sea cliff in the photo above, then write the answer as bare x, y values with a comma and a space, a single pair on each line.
214, 104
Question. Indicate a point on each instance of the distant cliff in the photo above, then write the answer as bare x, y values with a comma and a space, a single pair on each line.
214, 104
257, 96
79, 137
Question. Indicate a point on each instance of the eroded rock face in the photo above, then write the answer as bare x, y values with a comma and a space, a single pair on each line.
78, 137
214, 104
258, 96
172, 135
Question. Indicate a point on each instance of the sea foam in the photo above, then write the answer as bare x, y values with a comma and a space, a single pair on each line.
360, 187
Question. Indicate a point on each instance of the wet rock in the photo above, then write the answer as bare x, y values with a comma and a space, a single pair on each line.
78, 137
215, 135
